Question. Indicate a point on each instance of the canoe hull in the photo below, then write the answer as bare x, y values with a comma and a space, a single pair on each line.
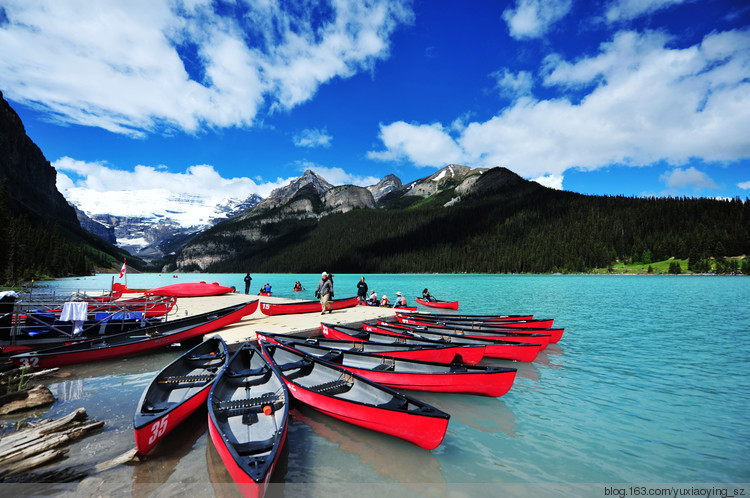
248, 413
135, 341
529, 327
494, 348
191, 289
363, 403
533, 336
273, 309
155, 417
414, 375
449, 305
470, 355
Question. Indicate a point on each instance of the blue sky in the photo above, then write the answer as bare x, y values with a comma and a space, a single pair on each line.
613, 97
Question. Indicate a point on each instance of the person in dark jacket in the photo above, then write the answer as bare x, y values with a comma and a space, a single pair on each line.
362, 290
324, 292
248, 279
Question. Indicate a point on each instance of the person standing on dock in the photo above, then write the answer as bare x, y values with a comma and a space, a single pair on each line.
248, 279
362, 290
324, 292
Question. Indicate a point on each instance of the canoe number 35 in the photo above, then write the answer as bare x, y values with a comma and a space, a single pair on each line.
158, 430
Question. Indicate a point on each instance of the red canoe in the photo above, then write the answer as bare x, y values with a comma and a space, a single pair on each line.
137, 340
248, 412
462, 353
532, 336
177, 392
437, 354
399, 373
193, 289
451, 305
272, 309
534, 323
525, 326
453, 316
494, 348
357, 400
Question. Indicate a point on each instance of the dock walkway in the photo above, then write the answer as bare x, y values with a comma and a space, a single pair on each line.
307, 324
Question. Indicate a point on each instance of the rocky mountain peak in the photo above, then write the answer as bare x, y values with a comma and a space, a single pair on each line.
309, 183
385, 186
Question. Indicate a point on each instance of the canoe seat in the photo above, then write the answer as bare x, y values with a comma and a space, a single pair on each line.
240, 406
189, 380
205, 357
332, 388
333, 356
149, 407
250, 372
254, 447
396, 403
303, 367
383, 367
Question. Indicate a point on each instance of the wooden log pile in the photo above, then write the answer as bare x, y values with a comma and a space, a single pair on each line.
42, 442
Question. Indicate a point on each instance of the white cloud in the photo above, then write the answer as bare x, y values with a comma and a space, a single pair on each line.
145, 66
551, 181
423, 145
311, 137
744, 185
690, 177
641, 102
337, 176
626, 10
513, 85
534, 18
98, 188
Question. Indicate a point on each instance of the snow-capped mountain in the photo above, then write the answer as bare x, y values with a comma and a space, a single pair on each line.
148, 223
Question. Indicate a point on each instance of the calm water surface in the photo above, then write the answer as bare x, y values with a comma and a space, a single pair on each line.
650, 384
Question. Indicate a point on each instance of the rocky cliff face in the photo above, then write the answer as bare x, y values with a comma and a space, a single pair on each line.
451, 176
29, 177
106, 233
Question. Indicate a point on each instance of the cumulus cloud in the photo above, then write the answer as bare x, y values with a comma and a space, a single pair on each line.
551, 181
337, 176
423, 145
513, 85
144, 66
689, 177
626, 10
313, 138
642, 102
534, 18
97, 187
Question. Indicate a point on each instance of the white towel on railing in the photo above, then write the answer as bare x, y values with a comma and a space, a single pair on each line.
75, 311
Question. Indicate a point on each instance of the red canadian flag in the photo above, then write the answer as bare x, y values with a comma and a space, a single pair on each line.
122, 270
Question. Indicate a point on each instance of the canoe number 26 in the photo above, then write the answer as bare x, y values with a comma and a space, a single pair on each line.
158, 430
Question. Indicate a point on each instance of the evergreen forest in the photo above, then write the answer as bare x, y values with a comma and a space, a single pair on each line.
520, 230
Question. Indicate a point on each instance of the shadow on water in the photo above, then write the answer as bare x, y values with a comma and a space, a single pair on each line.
160, 464
479, 413
392, 459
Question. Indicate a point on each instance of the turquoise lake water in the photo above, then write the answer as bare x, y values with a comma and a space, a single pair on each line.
649, 384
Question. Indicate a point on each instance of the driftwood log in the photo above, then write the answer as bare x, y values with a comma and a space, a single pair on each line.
41, 443
26, 399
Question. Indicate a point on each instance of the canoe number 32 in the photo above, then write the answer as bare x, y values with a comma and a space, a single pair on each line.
158, 430
29, 362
